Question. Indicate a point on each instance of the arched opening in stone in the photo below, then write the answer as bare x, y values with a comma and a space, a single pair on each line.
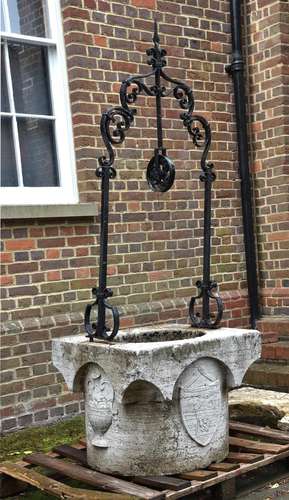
141, 391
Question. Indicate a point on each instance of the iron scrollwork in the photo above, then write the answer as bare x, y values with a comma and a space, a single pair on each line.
114, 125
200, 131
96, 329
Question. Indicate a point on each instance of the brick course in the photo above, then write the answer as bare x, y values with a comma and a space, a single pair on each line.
155, 244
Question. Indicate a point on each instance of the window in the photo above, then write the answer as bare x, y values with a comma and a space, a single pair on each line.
37, 154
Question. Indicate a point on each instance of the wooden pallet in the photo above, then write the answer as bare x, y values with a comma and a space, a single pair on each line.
251, 447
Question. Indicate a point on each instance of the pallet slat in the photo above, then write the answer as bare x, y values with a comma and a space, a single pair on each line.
243, 458
64, 450
158, 482
93, 478
277, 436
224, 476
254, 455
199, 475
257, 446
224, 467
163, 482
53, 487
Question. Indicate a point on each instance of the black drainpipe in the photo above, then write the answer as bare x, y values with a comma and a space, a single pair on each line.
236, 69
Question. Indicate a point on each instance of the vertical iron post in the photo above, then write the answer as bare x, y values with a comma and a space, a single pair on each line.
100, 326
236, 69
207, 247
159, 110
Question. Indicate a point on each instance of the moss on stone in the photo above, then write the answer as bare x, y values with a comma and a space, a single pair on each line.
18, 444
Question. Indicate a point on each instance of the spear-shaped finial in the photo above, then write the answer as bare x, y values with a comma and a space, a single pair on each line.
156, 38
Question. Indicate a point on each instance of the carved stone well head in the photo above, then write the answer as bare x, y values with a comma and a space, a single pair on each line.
156, 398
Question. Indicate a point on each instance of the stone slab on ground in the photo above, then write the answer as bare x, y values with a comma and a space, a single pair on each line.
260, 406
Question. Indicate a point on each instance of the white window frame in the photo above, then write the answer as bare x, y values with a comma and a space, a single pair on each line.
66, 192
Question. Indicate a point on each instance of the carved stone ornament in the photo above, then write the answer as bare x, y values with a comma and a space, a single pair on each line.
99, 400
200, 403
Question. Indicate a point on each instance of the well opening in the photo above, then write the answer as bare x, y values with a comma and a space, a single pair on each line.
157, 335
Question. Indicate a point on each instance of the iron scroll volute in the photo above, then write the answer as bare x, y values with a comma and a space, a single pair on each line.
207, 320
99, 329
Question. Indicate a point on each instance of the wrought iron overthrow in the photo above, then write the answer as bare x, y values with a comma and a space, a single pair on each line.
114, 124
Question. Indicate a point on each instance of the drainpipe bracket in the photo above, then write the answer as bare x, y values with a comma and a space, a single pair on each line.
236, 65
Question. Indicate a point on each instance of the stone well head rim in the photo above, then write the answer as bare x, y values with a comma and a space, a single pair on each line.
158, 334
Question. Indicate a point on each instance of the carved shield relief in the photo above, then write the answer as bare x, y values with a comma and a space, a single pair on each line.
200, 403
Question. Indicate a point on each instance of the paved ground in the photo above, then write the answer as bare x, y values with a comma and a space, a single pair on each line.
276, 489
270, 483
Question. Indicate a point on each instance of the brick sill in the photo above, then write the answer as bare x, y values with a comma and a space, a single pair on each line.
48, 211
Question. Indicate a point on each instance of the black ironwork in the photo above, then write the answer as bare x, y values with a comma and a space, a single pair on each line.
114, 124
236, 69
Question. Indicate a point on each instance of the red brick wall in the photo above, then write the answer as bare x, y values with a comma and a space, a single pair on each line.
155, 251
268, 56
158, 236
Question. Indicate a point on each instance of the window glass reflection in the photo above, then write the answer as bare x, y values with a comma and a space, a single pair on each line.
38, 153
27, 17
30, 79
8, 163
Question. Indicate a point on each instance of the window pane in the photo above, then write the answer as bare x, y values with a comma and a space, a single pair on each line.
30, 79
8, 163
4, 94
38, 154
27, 17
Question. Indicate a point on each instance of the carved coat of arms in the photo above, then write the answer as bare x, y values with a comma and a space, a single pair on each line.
200, 404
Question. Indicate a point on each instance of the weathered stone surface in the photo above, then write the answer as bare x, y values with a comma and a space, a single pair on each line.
154, 404
283, 424
260, 406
